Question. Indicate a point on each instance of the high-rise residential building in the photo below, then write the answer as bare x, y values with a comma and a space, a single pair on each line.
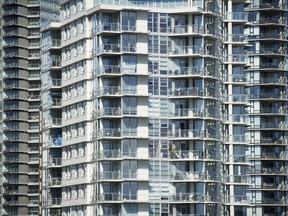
157, 107
20, 100
21, 91
267, 112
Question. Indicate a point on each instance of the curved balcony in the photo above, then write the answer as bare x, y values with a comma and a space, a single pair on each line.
267, 171
269, 96
283, 155
270, 125
191, 134
272, 21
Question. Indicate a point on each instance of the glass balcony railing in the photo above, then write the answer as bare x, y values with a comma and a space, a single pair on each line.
191, 154
108, 27
237, 16
189, 50
109, 111
192, 112
237, 158
268, 170
194, 70
236, 38
191, 197
238, 179
55, 162
54, 202
191, 133
236, 58
192, 91
109, 69
116, 196
108, 132
239, 118
240, 98
191, 176
236, 138
239, 199
117, 175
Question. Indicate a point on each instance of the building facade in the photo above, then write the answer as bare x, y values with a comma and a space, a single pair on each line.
154, 108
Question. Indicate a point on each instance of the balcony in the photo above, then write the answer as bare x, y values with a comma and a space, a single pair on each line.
272, 20
109, 111
116, 197
237, 38
236, 98
237, 158
273, 155
108, 27
265, 125
109, 69
56, 82
191, 197
56, 102
235, 118
271, 65
56, 43
236, 17
115, 154
239, 200
192, 92
236, 58
239, 138
267, 171
191, 133
192, 71
109, 133
192, 112
243, 179
54, 162
53, 202
273, 80
109, 48
270, 95
191, 155
117, 175
109, 91
191, 176
189, 50
237, 78
54, 181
